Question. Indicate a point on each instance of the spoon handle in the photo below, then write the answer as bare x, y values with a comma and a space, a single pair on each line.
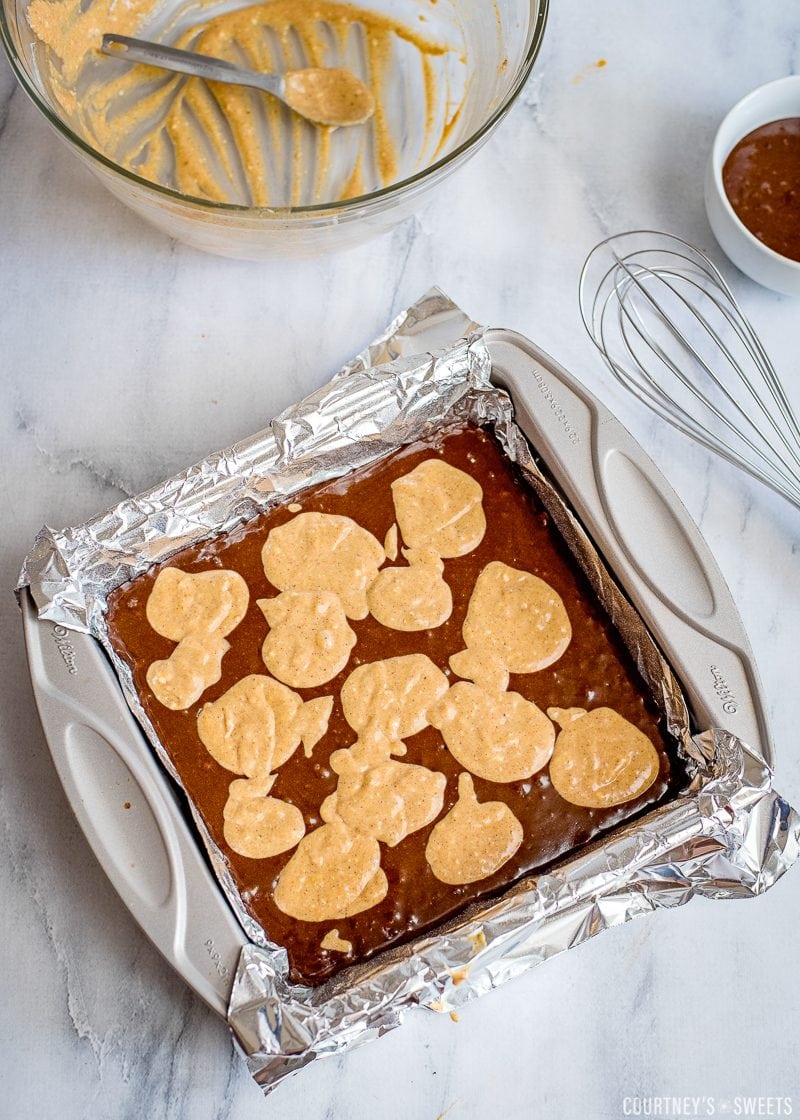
187, 62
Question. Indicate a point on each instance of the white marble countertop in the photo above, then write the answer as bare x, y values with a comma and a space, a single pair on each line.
126, 356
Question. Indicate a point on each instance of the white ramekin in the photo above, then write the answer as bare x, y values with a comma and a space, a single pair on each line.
771, 102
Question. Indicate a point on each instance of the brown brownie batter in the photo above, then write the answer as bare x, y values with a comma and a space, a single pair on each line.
761, 177
595, 671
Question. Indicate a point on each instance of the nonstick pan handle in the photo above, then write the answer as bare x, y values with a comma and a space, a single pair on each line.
645, 535
127, 811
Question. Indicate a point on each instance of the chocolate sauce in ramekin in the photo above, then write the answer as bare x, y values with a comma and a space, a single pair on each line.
761, 177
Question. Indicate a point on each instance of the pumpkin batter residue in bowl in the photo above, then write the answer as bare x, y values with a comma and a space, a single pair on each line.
226, 143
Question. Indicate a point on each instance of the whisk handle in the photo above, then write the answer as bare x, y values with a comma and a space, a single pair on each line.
645, 535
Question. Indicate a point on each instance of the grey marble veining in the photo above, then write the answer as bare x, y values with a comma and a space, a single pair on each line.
125, 356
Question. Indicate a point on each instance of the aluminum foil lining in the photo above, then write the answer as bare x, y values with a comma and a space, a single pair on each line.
731, 836
727, 835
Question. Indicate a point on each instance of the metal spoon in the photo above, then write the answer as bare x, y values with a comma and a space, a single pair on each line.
329, 96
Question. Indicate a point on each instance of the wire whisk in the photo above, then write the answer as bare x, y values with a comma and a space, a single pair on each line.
672, 333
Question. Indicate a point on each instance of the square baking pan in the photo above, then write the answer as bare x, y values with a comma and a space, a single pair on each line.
135, 818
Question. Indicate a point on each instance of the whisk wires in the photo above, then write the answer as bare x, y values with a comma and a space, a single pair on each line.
672, 332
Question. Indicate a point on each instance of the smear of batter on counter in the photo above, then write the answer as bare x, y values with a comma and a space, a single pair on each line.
334, 873
474, 840
258, 724
600, 758
222, 142
259, 826
590, 68
499, 736
324, 552
309, 641
336, 944
412, 598
440, 508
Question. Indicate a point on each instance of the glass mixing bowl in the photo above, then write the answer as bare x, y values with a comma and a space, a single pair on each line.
494, 44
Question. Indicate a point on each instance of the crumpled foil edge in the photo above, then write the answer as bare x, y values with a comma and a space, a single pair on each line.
728, 835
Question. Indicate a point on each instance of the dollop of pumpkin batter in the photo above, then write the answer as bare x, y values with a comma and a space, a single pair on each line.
258, 724
324, 552
600, 759
499, 736
383, 798
439, 507
390, 699
474, 840
334, 873
259, 826
412, 598
309, 641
